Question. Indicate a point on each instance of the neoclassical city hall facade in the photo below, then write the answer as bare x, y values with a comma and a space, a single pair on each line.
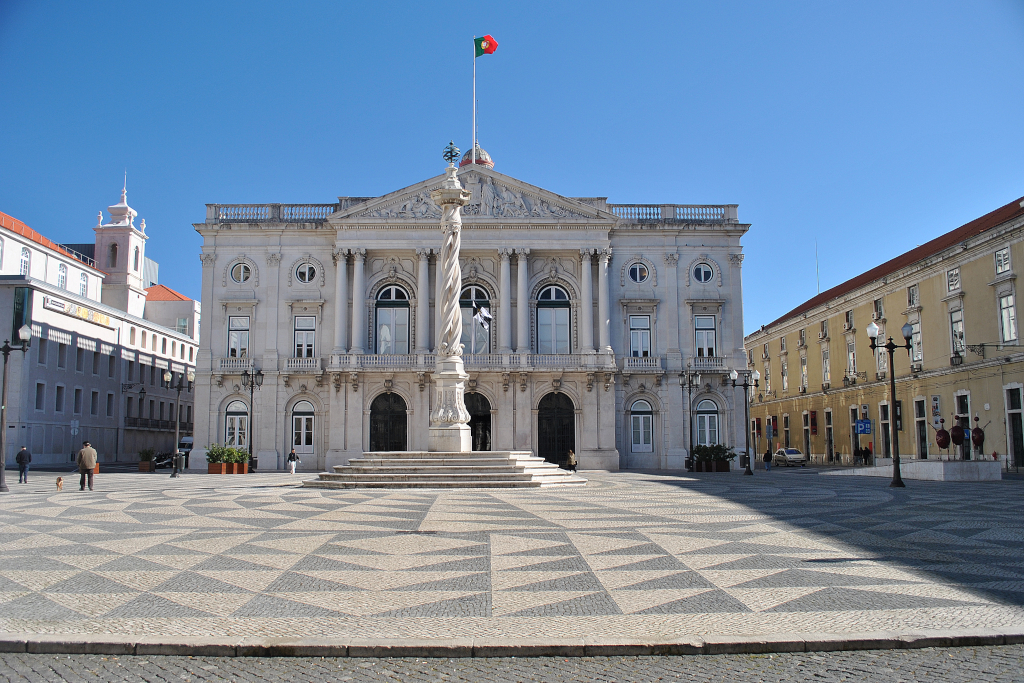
599, 313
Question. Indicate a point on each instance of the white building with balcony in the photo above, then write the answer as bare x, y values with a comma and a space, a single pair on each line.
598, 309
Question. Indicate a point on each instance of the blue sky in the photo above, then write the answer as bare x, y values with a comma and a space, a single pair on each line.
871, 127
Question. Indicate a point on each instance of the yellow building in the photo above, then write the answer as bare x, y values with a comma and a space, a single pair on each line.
965, 365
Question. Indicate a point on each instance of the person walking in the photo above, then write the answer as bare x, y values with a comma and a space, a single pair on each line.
86, 464
23, 459
571, 462
293, 460
768, 459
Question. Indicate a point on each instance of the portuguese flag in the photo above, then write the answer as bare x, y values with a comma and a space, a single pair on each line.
486, 45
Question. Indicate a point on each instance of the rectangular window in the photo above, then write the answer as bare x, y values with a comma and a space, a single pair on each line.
953, 279
785, 376
750, 356
552, 330
1002, 261
131, 371
823, 332
1007, 318
95, 362
188, 412
803, 337
58, 403
848, 318
956, 330
40, 396
80, 360
879, 309
826, 367
785, 430
803, 371
305, 331
640, 336
851, 358
94, 403
152, 408
883, 429
62, 355
78, 401
705, 333
915, 342
110, 405
921, 428
129, 404
111, 365
913, 296
393, 330
782, 343
182, 326
881, 358
161, 410
768, 377
238, 336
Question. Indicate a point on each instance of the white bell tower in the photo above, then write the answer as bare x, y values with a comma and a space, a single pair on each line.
120, 253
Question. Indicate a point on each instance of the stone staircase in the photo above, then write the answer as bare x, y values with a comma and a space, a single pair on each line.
424, 469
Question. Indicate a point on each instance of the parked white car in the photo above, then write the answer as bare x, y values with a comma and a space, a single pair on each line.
789, 456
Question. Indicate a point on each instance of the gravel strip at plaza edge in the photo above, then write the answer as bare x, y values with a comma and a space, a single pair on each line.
635, 559
933, 665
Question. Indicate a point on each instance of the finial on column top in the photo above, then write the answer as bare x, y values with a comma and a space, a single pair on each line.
99, 218
451, 153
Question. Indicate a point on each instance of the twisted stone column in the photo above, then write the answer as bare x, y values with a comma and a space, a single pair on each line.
448, 429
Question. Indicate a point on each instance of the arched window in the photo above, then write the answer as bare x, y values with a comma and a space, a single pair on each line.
83, 284
392, 320
553, 320
131, 336
642, 427
302, 428
707, 423
163, 346
26, 260
112, 256
476, 310
62, 276
236, 425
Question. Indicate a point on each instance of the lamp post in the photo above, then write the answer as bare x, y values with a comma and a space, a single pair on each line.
908, 332
176, 463
755, 375
688, 381
25, 335
252, 381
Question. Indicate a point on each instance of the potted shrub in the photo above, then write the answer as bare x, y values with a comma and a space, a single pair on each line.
146, 459
216, 458
714, 458
241, 461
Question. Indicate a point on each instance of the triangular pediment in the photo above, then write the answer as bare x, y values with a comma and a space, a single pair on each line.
494, 198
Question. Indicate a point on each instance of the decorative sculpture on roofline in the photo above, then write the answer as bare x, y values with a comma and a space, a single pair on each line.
449, 431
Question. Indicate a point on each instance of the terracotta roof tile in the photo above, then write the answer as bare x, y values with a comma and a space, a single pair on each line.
162, 293
16, 226
979, 225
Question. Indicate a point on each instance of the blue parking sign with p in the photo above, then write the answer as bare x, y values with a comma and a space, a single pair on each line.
863, 426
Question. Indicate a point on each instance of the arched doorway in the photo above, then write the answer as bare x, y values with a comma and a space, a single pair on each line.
479, 421
707, 423
641, 427
388, 423
236, 425
556, 428
302, 430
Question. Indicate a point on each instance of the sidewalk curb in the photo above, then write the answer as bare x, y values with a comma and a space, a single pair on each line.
503, 647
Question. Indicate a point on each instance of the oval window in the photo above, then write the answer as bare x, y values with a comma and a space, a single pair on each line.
240, 272
638, 273
306, 272
702, 272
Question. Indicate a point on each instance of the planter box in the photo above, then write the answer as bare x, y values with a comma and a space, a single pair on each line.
146, 466
218, 467
713, 466
240, 468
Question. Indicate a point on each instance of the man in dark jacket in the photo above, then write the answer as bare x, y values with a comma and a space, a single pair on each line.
86, 465
23, 459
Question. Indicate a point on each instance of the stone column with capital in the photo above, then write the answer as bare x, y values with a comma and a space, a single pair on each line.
505, 302
523, 302
449, 431
604, 315
587, 303
423, 302
340, 301
358, 301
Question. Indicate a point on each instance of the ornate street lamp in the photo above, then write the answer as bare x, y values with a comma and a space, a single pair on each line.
908, 332
755, 375
252, 381
25, 335
176, 459
688, 381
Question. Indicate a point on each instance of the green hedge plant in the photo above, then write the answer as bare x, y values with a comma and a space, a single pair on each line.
146, 454
714, 453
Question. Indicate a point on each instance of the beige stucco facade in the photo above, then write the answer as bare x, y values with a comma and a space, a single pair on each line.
958, 292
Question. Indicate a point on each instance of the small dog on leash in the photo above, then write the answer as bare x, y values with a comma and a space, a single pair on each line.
60, 483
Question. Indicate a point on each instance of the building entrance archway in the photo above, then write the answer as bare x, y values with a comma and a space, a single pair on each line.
302, 430
479, 421
388, 423
556, 428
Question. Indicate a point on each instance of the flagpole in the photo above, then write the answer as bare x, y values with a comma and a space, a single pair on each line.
474, 105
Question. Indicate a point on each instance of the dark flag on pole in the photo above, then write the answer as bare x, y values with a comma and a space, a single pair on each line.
482, 315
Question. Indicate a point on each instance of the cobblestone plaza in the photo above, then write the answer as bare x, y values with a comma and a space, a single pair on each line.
631, 556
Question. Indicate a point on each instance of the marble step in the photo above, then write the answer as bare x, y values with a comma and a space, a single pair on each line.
446, 484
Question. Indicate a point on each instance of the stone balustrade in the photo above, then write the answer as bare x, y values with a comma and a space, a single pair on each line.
234, 364
302, 365
642, 363
676, 213
269, 213
707, 364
